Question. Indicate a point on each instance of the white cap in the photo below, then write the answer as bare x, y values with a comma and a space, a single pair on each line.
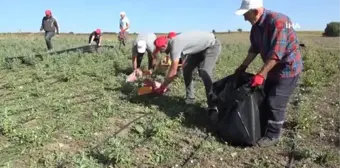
122, 13
249, 4
141, 46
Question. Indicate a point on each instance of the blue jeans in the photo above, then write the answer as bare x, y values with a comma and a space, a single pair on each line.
48, 38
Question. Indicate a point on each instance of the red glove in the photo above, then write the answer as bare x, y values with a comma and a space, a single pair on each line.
257, 80
161, 90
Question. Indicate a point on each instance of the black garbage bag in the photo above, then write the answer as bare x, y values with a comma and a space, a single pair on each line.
239, 120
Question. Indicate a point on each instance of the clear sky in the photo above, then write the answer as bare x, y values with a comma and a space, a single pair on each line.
82, 16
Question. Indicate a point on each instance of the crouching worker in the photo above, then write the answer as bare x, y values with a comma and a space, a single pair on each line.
96, 36
201, 50
143, 43
278, 46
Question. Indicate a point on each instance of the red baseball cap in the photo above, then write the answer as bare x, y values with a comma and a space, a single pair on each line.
161, 41
48, 12
98, 31
172, 34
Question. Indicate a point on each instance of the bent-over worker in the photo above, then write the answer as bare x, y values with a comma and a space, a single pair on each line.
143, 43
198, 50
96, 36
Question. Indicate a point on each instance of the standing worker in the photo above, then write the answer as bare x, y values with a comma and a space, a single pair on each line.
96, 36
278, 46
201, 50
49, 25
124, 27
143, 43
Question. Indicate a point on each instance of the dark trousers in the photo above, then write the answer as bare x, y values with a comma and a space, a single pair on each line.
48, 38
140, 58
204, 61
278, 92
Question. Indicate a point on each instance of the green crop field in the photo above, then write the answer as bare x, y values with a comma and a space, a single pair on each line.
75, 110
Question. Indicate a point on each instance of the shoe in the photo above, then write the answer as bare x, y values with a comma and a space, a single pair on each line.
267, 141
189, 101
213, 114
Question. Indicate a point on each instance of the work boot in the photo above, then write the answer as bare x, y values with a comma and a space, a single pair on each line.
267, 141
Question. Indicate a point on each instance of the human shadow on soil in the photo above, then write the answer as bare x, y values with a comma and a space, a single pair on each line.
336, 142
119, 69
127, 70
172, 106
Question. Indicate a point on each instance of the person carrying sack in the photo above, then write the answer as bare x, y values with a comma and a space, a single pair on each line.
278, 46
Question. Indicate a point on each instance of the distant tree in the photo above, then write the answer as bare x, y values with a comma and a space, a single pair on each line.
229, 31
70, 33
332, 29
213, 31
239, 30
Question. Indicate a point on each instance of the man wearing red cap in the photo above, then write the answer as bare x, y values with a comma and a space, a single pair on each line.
201, 50
171, 35
278, 46
50, 26
96, 36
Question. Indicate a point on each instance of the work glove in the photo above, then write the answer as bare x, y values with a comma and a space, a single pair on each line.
257, 80
160, 90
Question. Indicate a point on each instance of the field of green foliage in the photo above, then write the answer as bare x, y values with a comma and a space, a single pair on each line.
75, 110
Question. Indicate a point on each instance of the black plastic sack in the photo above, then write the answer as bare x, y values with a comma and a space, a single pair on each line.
239, 120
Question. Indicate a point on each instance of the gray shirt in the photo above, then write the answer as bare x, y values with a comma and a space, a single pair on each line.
190, 43
149, 38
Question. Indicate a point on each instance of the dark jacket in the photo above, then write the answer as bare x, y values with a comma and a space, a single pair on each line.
96, 36
49, 24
